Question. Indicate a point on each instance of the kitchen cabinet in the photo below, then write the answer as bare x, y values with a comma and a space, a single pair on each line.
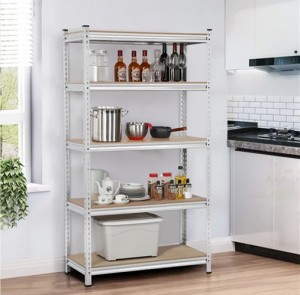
88, 263
265, 200
239, 33
277, 28
261, 28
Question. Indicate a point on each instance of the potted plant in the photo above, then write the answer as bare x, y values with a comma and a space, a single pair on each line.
13, 192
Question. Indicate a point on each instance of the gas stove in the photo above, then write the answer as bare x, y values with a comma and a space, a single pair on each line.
281, 135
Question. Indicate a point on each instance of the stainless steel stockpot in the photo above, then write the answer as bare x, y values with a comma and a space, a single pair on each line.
106, 123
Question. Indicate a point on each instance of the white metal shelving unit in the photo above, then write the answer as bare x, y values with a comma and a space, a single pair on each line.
88, 263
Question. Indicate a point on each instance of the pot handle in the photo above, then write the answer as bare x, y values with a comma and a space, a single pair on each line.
178, 129
124, 113
149, 125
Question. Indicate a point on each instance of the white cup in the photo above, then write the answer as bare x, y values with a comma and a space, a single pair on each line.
121, 198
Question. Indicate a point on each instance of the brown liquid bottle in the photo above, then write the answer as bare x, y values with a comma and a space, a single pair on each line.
120, 68
134, 71
145, 68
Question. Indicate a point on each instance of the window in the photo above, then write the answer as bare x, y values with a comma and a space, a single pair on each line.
16, 27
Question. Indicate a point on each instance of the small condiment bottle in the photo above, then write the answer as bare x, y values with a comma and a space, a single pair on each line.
179, 190
151, 183
171, 193
165, 181
188, 189
158, 191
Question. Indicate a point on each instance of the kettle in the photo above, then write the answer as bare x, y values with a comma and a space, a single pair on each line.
107, 187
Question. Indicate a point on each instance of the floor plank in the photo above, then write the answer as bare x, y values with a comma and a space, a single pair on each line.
234, 273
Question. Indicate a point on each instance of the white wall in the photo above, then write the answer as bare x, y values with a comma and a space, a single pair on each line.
37, 244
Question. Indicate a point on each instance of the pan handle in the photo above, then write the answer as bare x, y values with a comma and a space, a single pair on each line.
178, 129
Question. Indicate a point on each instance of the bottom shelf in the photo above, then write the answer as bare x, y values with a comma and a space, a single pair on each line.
168, 256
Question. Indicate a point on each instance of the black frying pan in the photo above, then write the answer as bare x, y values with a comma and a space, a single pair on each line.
163, 131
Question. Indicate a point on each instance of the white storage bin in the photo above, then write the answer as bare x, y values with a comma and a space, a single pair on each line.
127, 236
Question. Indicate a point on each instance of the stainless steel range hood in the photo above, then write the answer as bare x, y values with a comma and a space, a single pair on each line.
282, 64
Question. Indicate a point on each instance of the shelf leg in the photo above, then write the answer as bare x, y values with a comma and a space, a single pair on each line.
88, 280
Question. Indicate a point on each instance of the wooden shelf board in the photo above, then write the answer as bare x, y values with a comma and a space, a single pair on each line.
165, 254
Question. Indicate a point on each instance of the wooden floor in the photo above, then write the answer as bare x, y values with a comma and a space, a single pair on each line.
233, 273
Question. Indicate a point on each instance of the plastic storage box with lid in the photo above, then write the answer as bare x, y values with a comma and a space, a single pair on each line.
127, 236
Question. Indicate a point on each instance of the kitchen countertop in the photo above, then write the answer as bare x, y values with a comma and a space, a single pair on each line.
243, 135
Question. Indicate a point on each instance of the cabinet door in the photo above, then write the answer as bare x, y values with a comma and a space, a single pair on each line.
239, 33
287, 205
252, 190
277, 28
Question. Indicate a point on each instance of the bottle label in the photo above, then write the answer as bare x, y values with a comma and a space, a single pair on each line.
121, 74
136, 75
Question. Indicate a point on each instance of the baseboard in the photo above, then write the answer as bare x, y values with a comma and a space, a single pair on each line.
37, 267
31, 267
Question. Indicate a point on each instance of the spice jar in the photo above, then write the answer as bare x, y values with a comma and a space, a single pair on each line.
165, 181
179, 190
171, 193
152, 179
158, 191
187, 189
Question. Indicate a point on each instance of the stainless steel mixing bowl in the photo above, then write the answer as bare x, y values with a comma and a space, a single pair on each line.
136, 130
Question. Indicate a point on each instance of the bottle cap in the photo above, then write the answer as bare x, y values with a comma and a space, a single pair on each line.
179, 181
153, 174
187, 180
144, 52
120, 52
180, 167
133, 53
167, 174
158, 182
171, 181
157, 52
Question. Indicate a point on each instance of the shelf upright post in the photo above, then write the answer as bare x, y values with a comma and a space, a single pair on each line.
183, 162
67, 151
87, 159
208, 155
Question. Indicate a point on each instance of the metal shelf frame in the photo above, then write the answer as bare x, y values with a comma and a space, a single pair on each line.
85, 38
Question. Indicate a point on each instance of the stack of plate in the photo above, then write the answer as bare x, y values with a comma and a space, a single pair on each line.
134, 191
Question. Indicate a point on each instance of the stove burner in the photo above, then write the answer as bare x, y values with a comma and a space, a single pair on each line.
280, 134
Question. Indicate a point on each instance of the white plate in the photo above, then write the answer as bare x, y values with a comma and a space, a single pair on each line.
140, 198
120, 203
106, 203
132, 186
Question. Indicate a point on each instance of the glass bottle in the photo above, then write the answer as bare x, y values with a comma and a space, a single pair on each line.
158, 191
120, 68
165, 181
156, 68
187, 189
180, 176
134, 72
179, 190
182, 63
151, 182
164, 60
171, 190
173, 65
145, 68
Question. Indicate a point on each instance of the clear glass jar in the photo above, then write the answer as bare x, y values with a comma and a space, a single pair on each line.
98, 66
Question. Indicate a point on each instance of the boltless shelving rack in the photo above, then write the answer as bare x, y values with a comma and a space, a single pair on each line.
88, 263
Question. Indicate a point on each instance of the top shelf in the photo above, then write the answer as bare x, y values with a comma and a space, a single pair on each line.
136, 37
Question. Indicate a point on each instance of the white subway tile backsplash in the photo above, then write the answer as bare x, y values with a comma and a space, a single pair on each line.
261, 98
286, 112
267, 111
274, 111
279, 105
273, 98
280, 118
243, 104
267, 117
287, 99
261, 111
255, 104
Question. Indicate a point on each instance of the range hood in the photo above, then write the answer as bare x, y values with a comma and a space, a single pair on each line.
284, 63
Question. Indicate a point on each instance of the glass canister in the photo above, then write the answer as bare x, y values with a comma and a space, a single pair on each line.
98, 65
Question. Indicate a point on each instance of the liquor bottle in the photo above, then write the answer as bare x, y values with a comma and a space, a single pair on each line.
180, 176
156, 67
145, 68
173, 65
164, 60
182, 63
120, 68
134, 72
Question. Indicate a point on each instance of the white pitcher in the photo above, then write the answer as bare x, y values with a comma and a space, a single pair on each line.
107, 188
